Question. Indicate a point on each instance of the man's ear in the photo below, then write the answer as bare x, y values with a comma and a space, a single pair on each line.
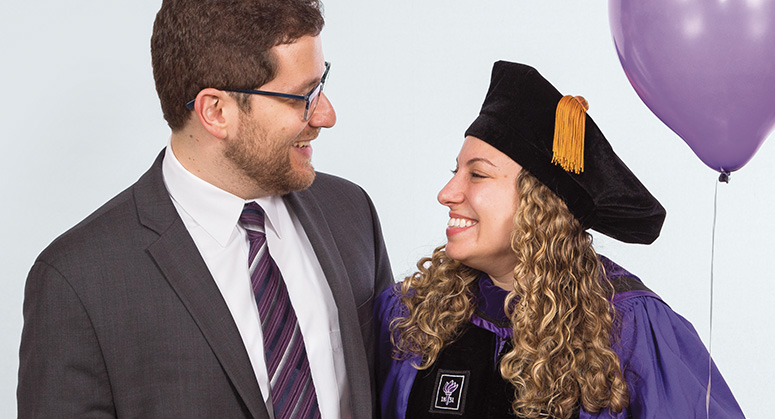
217, 112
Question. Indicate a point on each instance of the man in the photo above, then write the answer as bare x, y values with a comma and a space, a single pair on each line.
152, 306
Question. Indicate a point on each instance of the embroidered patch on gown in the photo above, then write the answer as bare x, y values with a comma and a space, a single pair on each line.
450, 391
464, 382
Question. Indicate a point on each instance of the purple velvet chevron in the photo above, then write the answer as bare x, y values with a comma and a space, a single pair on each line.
293, 393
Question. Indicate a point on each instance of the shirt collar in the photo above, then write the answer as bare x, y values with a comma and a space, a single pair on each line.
272, 206
214, 209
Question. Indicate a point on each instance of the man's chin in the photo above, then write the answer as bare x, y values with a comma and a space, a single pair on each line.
297, 181
306, 180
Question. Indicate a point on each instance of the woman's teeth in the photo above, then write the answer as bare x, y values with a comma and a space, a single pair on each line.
460, 222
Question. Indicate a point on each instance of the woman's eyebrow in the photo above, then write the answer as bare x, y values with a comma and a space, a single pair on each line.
480, 159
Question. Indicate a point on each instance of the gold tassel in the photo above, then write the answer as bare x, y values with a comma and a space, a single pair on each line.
569, 126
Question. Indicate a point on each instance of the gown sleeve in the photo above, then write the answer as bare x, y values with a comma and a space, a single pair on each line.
665, 364
394, 377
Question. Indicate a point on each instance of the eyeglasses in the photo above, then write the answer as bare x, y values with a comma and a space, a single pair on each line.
311, 99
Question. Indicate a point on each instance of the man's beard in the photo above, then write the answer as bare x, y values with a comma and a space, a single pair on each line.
266, 162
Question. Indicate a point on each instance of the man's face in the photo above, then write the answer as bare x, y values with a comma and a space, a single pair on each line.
272, 147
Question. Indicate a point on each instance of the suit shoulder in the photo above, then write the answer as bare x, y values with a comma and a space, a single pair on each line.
97, 231
329, 188
325, 181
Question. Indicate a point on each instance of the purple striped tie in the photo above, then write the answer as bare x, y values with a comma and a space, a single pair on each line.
293, 393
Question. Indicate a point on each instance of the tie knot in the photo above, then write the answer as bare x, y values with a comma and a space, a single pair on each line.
252, 217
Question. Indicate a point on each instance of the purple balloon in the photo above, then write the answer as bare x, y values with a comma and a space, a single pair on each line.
706, 68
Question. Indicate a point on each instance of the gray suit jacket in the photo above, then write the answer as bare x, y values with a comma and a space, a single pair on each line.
123, 319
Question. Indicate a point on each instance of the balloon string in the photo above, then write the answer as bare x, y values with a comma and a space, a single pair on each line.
723, 178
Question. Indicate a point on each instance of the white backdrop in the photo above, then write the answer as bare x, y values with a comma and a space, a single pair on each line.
80, 121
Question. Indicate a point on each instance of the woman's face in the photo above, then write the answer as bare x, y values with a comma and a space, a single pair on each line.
482, 199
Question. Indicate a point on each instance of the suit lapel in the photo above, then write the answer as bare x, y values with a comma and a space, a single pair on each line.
310, 215
181, 264
305, 206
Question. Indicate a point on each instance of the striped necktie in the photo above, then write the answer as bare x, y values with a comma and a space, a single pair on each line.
293, 393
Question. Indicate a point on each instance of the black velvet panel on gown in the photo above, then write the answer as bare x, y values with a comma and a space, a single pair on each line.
464, 382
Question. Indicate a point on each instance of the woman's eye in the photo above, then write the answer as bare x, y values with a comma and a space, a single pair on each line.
477, 175
454, 172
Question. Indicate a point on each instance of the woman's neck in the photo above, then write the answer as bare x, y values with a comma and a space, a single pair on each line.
505, 281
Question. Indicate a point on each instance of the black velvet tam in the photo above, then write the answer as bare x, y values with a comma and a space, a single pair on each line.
517, 118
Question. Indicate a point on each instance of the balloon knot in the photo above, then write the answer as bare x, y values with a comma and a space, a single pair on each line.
724, 176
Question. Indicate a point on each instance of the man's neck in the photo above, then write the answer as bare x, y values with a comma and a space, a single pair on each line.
201, 155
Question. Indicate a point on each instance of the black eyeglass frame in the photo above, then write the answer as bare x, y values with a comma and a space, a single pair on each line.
309, 108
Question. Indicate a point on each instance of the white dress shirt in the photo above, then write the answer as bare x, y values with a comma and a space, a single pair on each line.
211, 216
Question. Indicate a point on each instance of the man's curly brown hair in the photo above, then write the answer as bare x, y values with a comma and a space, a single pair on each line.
222, 44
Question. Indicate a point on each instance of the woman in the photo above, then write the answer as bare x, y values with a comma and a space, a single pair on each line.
517, 316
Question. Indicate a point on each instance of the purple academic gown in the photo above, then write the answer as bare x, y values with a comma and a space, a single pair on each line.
664, 361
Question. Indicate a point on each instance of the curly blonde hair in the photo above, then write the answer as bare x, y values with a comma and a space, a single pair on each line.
561, 358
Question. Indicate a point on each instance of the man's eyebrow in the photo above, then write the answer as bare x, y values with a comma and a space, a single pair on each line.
304, 89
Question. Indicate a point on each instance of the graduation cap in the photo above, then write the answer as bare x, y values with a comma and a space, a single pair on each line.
553, 138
